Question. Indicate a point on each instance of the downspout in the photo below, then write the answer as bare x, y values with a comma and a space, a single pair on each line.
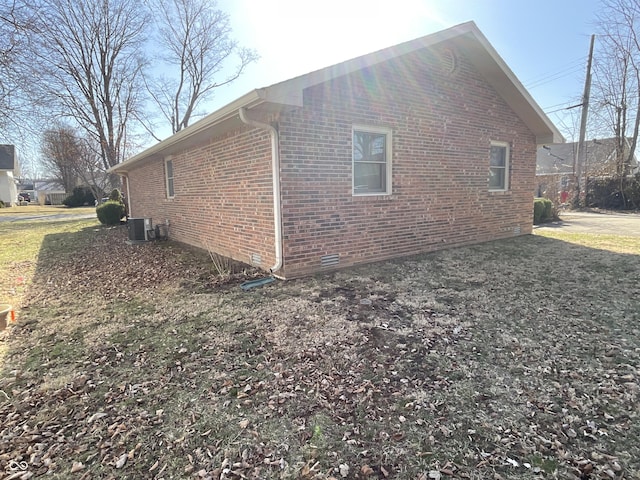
275, 170
128, 199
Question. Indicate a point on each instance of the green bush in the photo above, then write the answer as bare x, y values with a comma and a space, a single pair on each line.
2, 204
110, 212
547, 214
538, 210
80, 196
116, 196
542, 210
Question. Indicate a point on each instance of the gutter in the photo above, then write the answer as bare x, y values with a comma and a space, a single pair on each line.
275, 170
252, 98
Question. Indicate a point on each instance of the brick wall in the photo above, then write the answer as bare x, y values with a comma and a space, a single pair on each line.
223, 196
552, 187
442, 125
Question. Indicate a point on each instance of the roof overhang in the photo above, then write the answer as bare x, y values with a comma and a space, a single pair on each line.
487, 61
467, 37
222, 121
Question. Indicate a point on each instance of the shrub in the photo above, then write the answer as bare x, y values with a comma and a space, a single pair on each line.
80, 196
116, 196
547, 214
538, 210
542, 210
606, 193
110, 212
2, 204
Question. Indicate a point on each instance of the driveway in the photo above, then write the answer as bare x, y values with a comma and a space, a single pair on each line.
627, 224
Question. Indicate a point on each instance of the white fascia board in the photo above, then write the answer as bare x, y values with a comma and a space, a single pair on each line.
480, 52
289, 92
494, 68
228, 111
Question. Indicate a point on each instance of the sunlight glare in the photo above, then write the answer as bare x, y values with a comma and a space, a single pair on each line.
324, 33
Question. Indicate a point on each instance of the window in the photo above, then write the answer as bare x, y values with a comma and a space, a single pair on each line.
499, 166
168, 172
371, 161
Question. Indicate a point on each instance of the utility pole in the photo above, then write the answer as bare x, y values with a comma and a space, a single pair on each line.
581, 151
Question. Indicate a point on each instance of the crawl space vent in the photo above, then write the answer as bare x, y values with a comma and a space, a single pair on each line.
256, 259
516, 230
330, 260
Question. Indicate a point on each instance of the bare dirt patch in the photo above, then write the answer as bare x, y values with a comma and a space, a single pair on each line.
513, 359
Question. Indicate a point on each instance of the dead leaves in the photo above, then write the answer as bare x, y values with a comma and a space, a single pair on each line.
121, 461
446, 368
114, 270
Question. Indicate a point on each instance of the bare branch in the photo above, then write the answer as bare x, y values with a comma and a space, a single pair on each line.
88, 54
617, 86
196, 39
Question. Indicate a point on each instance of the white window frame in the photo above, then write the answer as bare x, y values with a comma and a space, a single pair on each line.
387, 132
507, 166
169, 181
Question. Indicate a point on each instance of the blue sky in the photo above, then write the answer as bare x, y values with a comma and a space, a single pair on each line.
544, 42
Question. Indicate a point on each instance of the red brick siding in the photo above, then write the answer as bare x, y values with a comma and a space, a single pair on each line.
442, 128
223, 196
551, 187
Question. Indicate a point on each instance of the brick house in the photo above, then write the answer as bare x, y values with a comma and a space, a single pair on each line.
424, 145
556, 164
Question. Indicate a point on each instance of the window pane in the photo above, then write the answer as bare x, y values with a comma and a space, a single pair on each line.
369, 147
498, 156
369, 177
496, 178
169, 173
370, 161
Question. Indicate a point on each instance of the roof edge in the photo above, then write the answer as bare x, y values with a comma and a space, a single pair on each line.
554, 134
289, 92
250, 99
484, 56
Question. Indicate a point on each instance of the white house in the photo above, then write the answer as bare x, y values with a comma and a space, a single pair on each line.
8, 188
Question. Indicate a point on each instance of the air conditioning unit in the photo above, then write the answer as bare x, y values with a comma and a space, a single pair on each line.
140, 229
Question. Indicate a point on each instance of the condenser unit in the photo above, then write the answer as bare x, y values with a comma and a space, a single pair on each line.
140, 229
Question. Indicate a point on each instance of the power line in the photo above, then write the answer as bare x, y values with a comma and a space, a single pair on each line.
559, 106
563, 108
557, 76
572, 67
577, 61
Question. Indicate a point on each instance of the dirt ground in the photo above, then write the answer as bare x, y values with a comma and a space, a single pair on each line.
511, 359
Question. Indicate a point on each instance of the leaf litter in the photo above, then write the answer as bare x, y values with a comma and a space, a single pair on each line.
512, 359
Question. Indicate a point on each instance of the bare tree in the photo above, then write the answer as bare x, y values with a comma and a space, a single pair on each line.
16, 27
617, 85
88, 57
72, 159
61, 155
195, 38
91, 171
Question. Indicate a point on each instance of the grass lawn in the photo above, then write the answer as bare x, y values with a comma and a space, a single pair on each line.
511, 359
35, 209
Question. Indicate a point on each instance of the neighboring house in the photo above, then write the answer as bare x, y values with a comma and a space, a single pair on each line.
422, 146
555, 177
8, 188
49, 191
